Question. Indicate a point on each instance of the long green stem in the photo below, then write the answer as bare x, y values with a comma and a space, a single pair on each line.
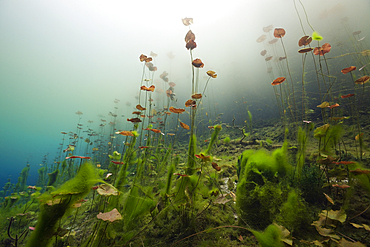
294, 114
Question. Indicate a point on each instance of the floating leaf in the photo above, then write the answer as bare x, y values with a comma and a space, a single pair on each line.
273, 41
285, 235
111, 215
366, 227
190, 103
189, 36
278, 81
156, 130
139, 107
347, 95
321, 131
78, 157
107, 190
169, 93
329, 199
196, 96
316, 36
346, 243
305, 40
268, 28
324, 105
359, 171
125, 133
197, 63
176, 110
333, 106
261, 38
134, 120
151, 66
184, 125
279, 32
163, 76
145, 58
305, 50
191, 45
187, 21
203, 157
268, 58
216, 167
327, 233
325, 48
171, 84
149, 89
211, 73
356, 32
343, 162
349, 69
362, 80
338, 215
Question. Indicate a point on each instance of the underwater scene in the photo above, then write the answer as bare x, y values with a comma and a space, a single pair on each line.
198, 123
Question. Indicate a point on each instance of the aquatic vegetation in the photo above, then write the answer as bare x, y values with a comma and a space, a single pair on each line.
279, 32
316, 36
362, 80
261, 38
278, 81
325, 48
293, 213
148, 178
260, 175
149, 89
187, 21
349, 69
197, 63
227, 140
301, 154
55, 204
305, 40
111, 216
305, 50
270, 237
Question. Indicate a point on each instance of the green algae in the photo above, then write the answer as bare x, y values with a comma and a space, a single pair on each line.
271, 237
54, 205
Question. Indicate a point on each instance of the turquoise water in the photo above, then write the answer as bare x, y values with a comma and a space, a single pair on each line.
61, 57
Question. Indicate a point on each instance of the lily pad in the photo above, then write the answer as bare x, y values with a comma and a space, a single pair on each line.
366, 227
345, 243
285, 235
338, 215
107, 190
110, 216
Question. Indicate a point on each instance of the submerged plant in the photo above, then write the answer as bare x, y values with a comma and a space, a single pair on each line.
54, 205
259, 191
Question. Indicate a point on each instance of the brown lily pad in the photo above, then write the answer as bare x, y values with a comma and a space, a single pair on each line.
110, 216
